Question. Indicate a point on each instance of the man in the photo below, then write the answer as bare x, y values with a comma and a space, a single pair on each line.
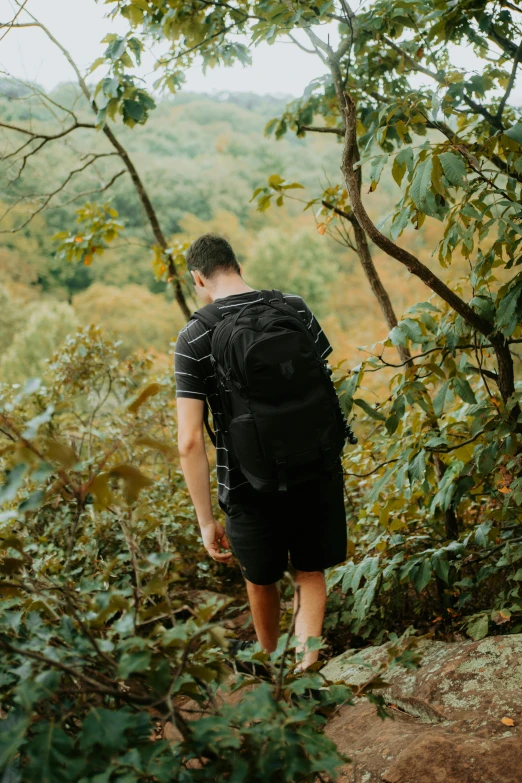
307, 522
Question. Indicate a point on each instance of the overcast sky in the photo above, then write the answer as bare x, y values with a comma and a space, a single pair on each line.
80, 25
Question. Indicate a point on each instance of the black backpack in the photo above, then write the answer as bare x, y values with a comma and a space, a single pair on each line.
281, 417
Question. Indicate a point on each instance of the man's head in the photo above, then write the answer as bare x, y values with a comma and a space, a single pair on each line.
208, 259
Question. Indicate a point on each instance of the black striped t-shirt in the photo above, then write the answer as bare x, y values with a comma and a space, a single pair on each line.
195, 377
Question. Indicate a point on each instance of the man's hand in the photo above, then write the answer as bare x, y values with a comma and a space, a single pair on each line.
215, 537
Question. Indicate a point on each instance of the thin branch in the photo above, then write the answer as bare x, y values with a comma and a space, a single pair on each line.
322, 129
300, 45
74, 673
511, 82
12, 24
456, 446
45, 138
297, 606
346, 215
365, 475
92, 192
441, 79
48, 197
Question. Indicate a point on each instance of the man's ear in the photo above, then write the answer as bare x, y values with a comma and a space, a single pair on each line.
197, 278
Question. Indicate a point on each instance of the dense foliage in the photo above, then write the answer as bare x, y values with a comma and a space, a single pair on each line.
112, 660
105, 632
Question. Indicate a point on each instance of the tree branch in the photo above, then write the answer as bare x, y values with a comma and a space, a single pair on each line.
365, 475
322, 129
495, 122
511, 83
300, 45
49, 196
136, 179
406, 258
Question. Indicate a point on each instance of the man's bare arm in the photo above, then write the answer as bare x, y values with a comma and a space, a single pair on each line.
194, 463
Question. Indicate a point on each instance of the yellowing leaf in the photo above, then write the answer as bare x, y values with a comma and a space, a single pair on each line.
60, 452
143, 396
168, 449
133, 481
101, 490
275, 181
508, 721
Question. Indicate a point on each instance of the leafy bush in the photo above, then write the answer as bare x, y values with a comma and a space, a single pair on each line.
111, 663
435, 488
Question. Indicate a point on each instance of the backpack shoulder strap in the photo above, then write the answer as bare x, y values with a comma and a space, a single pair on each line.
208, 428
210, 315
272, 296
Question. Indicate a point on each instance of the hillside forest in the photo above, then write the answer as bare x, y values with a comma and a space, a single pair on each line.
388, 196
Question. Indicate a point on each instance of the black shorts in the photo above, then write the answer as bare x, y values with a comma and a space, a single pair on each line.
307, 524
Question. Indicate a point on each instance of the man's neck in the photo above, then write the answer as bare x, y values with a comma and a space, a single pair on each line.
230, 285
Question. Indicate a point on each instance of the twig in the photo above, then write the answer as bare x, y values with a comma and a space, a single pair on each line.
297, 606
364, 475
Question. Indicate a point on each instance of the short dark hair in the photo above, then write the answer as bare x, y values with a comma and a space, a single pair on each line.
211, 253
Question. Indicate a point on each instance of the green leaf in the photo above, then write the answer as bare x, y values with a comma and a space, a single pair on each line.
417, 466
96, 64
421, 185
422, 575
405, 158
439, 561
134, 110
12, 735
377, 165
14, 481
133, 662
464, 390
50, 750
34, 425
32, 502
396, 413
106, 728
369, 410
481, 534
454, 168
507, 310
478, 628
515, 132
440, 399
364, 598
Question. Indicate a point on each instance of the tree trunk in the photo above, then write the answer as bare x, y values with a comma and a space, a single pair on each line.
136, 179
151, 216
506, 383
506, 371
365, 257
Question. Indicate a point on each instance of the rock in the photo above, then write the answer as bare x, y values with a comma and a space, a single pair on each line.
448, 715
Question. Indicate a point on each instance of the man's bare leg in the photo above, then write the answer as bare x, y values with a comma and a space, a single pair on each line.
310, 615
265, 606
